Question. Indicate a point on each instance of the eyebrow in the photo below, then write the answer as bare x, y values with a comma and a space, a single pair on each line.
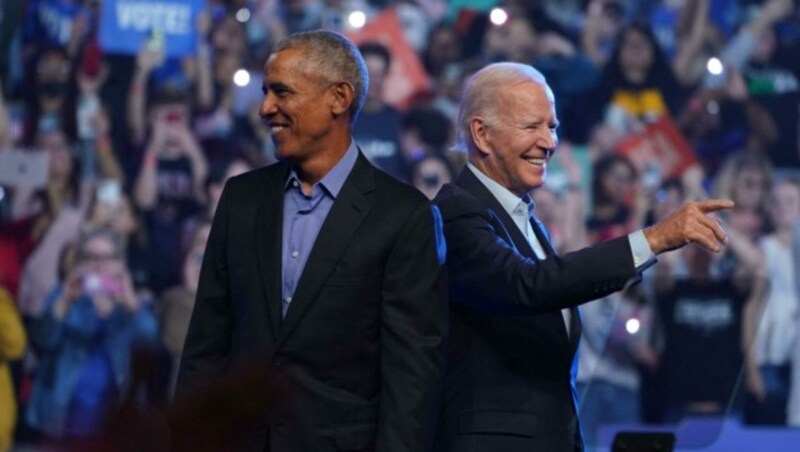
538, 122
275, 86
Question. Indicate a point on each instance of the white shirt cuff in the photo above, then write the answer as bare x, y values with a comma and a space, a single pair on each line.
643, 256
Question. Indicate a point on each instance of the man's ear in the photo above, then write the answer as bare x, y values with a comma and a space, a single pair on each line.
343, 97
479, 132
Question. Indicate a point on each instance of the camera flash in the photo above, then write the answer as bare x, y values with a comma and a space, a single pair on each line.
498, 16
243, 15
357, 19
632, 326
714, 66
241, 78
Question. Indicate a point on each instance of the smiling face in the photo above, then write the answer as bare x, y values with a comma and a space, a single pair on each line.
515, 146
298, 106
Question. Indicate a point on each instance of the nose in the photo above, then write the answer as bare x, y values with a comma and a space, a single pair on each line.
548, 141
268, 106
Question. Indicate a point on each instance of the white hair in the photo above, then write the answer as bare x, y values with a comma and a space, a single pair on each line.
482, 95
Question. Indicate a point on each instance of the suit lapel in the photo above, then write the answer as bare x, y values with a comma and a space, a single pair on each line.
575, 316
348, 211
471, 184
268, 238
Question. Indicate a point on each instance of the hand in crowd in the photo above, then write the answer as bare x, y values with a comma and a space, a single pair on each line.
775, 10
690, 224
555, 45
112, 287
148, 59
735, 86
171, 132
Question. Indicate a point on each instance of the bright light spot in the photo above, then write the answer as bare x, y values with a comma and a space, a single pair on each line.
243, 15
357, 19
498, 16
241, 77
714, 66
632, 326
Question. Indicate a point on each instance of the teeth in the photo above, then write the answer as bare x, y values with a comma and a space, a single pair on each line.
276, 129
536, 161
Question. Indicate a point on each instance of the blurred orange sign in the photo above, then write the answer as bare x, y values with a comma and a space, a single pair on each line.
407, 76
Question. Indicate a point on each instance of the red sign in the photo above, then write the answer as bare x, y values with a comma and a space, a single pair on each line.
661, 142
407, 76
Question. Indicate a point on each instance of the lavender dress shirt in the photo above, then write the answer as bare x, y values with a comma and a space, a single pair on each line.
303, 217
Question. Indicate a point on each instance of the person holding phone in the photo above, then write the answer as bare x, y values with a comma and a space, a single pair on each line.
169, 185
92, 322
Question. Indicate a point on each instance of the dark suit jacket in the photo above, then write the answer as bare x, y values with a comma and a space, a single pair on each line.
361, 348
510, 361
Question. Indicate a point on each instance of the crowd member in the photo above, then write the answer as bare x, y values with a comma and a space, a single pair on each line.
610, 355
718, 122
772, 75
12, 347
746, 178
57, 211
442, 51
377, 131
613, 188
51, 96
169, 185
215, 182
430, 173
112, 209
637, 85
793, 409
177, 302
771, 325
215, 120
702, 324
91, 323
424, 131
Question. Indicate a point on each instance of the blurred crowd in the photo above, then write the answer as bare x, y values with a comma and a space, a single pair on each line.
112, 165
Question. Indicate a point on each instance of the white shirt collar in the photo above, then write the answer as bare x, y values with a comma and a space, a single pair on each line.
512, 204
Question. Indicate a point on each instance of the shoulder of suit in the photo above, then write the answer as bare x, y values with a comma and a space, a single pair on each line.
396, 190
454, 201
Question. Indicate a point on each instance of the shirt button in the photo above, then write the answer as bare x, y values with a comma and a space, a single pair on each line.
295, 183
295, 254
288, 299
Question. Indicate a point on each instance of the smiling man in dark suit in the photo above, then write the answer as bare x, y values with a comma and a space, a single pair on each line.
514, 322
325, 268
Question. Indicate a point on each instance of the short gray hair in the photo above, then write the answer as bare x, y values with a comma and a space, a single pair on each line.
335, 58
482, 95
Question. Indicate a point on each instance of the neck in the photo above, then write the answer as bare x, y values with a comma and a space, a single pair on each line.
635, 75
313, 169
491, 172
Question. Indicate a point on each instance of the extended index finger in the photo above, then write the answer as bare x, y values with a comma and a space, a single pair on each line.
713, 205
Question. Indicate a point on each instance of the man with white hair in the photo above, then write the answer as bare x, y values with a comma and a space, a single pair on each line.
514, 319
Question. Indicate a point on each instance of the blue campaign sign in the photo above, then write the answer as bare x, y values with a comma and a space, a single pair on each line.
126, 25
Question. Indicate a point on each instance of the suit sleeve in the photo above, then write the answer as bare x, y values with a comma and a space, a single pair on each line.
414, 326
488, 274
207, 345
